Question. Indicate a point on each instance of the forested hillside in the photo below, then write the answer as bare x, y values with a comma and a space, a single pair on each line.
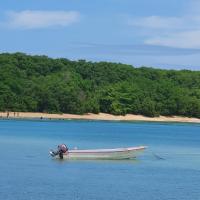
42, 84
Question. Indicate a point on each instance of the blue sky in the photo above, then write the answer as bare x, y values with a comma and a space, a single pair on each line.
155, 33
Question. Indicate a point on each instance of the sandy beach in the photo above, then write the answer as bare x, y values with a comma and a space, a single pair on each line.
91, 116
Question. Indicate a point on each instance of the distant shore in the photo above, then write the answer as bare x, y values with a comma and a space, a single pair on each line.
91, 116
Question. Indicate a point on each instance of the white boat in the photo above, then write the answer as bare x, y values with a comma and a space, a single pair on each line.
108, 154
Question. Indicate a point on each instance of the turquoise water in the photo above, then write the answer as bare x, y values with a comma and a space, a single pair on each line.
27, 171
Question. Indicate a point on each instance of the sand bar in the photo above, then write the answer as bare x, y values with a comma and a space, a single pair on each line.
100, 116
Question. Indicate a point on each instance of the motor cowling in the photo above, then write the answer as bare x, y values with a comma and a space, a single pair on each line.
62, 148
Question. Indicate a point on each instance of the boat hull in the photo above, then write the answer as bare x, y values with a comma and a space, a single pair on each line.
103, 154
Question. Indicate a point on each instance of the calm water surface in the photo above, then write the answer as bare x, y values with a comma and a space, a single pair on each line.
27, 171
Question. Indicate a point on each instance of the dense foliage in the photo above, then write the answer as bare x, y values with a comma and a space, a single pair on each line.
42, 84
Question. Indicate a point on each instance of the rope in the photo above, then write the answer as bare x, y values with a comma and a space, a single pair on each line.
158, 157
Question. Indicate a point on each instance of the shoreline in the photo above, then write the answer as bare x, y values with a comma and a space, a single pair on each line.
91, 116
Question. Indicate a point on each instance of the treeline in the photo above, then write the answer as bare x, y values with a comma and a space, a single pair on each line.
42, 84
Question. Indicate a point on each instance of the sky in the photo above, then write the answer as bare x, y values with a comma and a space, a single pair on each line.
153, 33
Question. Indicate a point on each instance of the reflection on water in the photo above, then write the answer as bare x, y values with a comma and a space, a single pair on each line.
168, 169
98, 161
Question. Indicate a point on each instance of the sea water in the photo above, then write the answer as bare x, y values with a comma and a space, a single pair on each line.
169, 169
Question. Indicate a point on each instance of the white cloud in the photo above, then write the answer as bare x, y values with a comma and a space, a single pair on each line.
33, 19
157, 22
174, 31
187, 39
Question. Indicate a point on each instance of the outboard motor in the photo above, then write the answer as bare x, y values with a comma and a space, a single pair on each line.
62, 148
